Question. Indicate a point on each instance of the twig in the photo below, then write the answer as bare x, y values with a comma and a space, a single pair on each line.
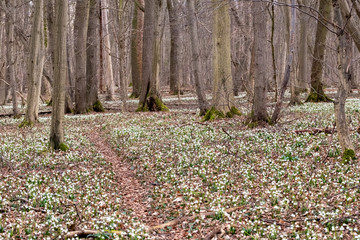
227, 133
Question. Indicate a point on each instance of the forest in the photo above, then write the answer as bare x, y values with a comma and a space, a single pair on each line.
179, 119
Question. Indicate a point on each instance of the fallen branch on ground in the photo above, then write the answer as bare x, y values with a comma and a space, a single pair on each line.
216, 230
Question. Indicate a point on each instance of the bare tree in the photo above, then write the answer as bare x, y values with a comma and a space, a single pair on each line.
223, 101
317, 92
80, 36
35, 66
150, 98
259, 112
195, 49
343, 88
60, 76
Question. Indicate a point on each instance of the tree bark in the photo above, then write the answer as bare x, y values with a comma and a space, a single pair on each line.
195, 48
317, 92
35, 65
108, 66
136, 49
150, 99
10, 70
339, 104
92, 58
175, 51
60, 75
223, 101
259, 112
80, 36
286, 79
122, 52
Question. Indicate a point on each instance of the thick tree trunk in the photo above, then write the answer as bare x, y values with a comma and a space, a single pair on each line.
150, 99
35, 66
60, 75
92, 58
259, 112
175, 51
136, 49
80, 36
317, 92
195, 48
223, 102
339, 104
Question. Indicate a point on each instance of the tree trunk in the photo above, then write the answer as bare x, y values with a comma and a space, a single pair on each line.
92, 58
175, 51
259, 112
150, 99
223, 101
339, 104
122, 52
286, 79
317, 92
60, 76
195, 48
136, 49
35, 65
108, 66
80, 36
10, 70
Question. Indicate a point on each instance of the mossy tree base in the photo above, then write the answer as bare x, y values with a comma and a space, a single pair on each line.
26, 123
153, 104
98, 107
214, 114
316, 97
348, 155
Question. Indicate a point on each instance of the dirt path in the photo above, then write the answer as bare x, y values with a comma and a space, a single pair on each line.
134, 193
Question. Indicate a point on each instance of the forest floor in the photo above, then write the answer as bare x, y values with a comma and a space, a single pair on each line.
170, 176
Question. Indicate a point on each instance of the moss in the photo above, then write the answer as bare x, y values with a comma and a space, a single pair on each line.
133, 95
98, 107
26, 123
160, 105
315, 97
63, 147
142, 108
235, 111
213, 114
253, 124
348, 154
49, 103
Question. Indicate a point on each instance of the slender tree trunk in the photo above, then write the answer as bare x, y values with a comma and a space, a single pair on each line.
195, 48
150, 99
92, 58
317, 92
286, 79
60, 75
223, 102
108, 66
175, 39
80, 36
35, 65
339, 104
122, 52
10, 71
136, 49
259, 112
